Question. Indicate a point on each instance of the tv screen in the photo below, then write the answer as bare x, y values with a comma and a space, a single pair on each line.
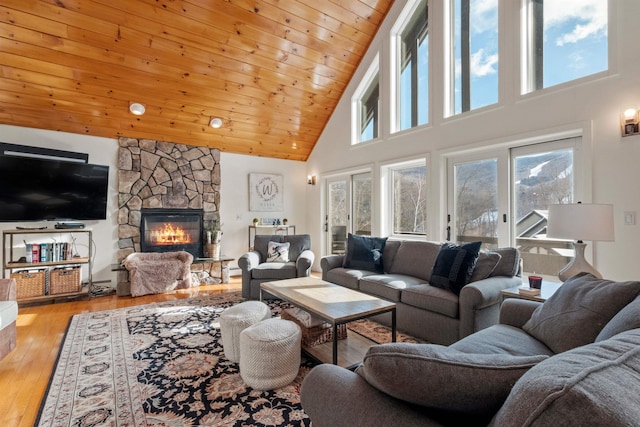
37, 189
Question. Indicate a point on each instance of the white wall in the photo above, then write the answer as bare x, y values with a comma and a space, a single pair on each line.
234, 199
590, 107
234, 195
102, 151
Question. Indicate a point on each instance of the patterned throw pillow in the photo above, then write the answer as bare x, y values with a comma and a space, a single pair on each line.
278, 252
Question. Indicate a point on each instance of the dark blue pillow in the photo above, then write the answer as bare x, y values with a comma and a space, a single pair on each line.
364, 252
454, 266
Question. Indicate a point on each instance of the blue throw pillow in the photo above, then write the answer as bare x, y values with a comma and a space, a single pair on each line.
364, 252
454, 266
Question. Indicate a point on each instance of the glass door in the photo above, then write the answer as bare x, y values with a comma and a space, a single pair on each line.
348, 209
542, 175
501, 198
476, 212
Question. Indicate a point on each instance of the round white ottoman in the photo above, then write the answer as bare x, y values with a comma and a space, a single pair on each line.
235, 319
270, 354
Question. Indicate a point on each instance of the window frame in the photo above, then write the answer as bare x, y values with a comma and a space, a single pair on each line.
388, 197
532, 48
404, 21
369, 84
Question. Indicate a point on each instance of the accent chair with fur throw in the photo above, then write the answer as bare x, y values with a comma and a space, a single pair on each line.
157, 272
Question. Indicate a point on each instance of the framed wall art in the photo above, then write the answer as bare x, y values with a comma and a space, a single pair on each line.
266, 193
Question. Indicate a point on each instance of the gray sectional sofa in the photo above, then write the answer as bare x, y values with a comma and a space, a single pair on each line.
572, 361
428, 312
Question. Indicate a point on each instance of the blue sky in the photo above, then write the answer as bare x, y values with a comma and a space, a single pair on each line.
575, 45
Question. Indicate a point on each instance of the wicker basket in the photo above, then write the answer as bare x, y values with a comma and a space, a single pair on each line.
30, 283
64, 280
314, 330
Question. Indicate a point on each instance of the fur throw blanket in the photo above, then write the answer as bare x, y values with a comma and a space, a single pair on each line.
157, 272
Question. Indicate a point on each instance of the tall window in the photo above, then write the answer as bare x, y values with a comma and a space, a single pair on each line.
475, 54
408, 194
565, 40
413, 61
366, 102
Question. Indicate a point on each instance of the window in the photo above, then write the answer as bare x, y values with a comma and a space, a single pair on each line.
566, 40
366, 106
475, 54
413, 68
408, 193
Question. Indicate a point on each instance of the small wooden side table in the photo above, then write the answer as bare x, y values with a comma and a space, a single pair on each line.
547, 289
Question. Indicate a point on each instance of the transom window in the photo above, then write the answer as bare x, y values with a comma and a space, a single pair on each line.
413, 67
366, 106
474, 54
565, 40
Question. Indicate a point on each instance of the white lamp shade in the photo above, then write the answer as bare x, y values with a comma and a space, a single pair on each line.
581, 221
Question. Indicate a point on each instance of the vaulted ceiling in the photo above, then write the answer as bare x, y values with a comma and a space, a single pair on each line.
272, 70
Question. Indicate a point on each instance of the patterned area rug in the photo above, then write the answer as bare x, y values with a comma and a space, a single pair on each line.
163, 365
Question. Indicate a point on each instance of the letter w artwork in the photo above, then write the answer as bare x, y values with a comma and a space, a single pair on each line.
266, 193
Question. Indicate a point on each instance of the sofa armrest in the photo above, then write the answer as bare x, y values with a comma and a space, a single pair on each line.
480, 302
8, 290
516, 312
249, 260
330, 262
333, 396
304, 263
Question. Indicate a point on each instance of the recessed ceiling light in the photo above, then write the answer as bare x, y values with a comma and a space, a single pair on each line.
136, 108
215, 122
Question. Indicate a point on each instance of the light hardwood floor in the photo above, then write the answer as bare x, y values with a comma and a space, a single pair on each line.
25, 372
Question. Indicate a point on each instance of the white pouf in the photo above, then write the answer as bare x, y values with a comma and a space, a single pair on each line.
235, 319
270, 354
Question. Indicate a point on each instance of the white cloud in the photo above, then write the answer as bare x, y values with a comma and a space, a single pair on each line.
483, 64
582, 19
484, 16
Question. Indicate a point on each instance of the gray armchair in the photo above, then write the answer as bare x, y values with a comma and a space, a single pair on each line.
256, 270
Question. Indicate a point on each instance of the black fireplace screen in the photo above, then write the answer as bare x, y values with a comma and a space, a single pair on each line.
167, 230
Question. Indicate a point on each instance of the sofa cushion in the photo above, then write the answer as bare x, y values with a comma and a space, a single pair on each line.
502, 339
509, 263
415, 259
487, 262
448, 379
278, 252
364, 253
387, 286
626, 319
454, 266
576, 313
592, 385
389, 254
433, 299
349, 278
274, 270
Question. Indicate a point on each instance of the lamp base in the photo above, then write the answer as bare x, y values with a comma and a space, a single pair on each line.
578, 265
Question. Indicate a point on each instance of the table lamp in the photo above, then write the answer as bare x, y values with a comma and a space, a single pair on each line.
580, 221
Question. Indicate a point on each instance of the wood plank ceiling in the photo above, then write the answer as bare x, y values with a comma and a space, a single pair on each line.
272, 70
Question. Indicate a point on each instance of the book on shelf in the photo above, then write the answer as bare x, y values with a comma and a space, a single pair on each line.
48, 252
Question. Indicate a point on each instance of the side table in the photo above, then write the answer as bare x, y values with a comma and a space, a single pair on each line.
547, 289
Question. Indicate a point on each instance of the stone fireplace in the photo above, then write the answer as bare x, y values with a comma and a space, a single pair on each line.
167, 230
163, 175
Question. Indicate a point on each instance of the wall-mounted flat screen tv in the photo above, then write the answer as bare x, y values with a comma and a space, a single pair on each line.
33, 189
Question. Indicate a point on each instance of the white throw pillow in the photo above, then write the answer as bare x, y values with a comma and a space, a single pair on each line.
278, 252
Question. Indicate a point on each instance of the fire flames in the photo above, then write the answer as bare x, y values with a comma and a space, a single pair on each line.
170, 235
